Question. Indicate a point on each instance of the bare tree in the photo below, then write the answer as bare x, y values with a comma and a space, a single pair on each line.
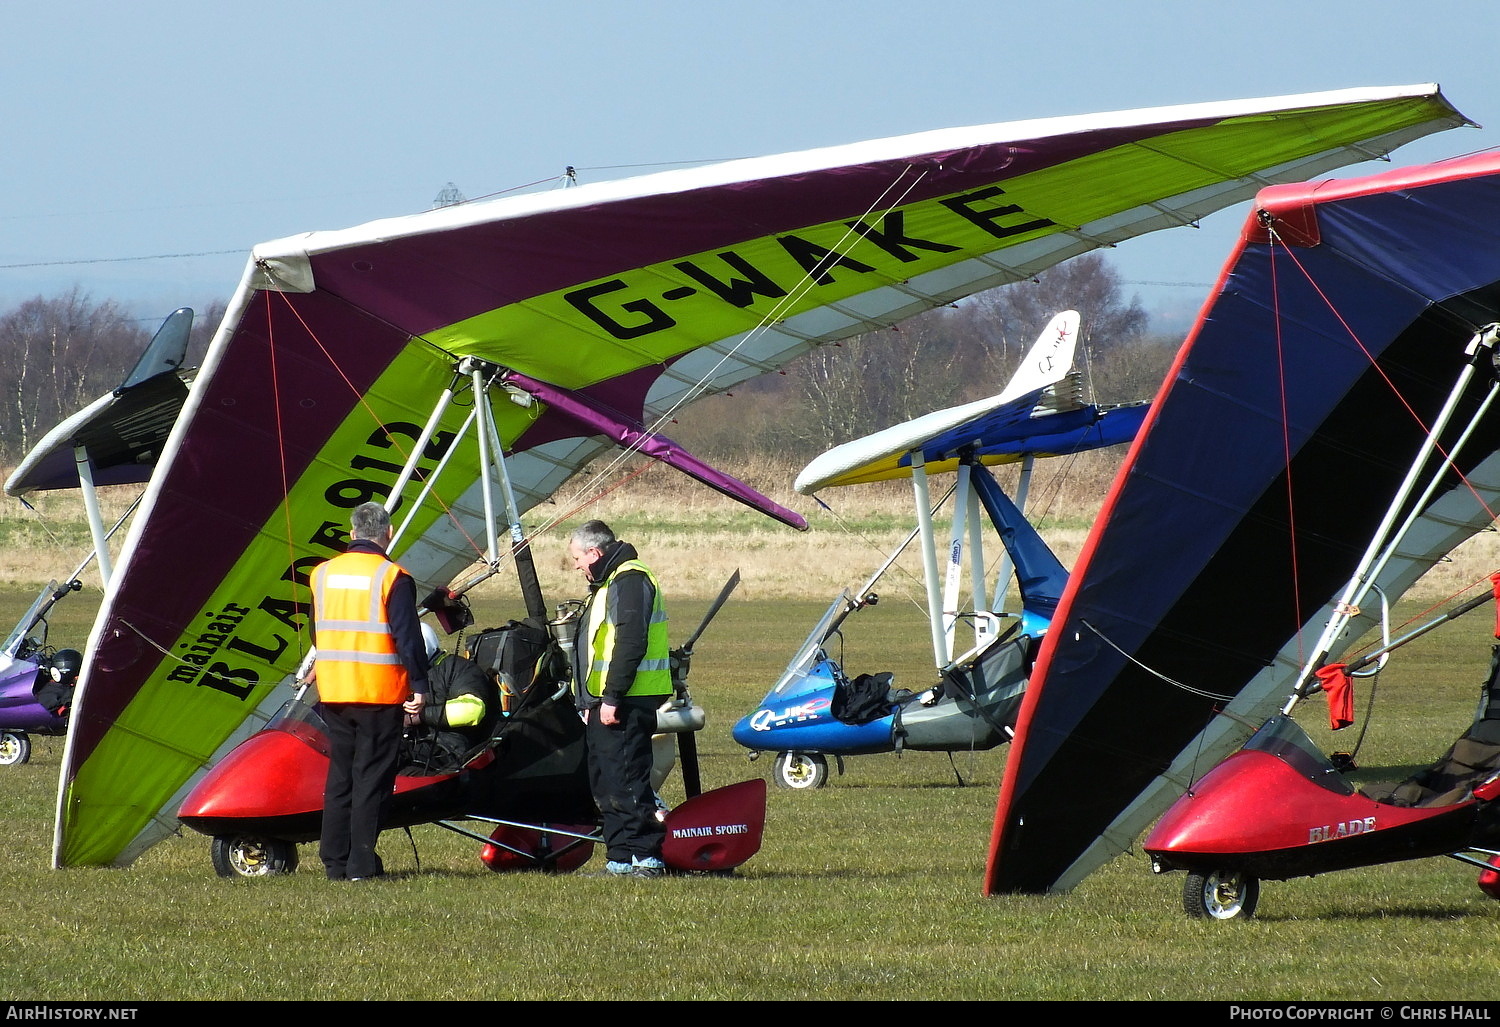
1013, 315
842, 391
57, 355
945, 356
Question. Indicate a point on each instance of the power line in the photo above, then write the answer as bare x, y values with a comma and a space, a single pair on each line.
119, 260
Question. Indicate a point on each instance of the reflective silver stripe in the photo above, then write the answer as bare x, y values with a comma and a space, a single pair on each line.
369, 627
377, 600
356, 656
599, 664
350, 582
376, 623
601, 627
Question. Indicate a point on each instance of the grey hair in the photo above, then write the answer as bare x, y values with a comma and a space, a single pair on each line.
370, 521
592, 535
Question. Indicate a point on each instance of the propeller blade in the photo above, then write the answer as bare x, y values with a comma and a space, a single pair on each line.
729, 586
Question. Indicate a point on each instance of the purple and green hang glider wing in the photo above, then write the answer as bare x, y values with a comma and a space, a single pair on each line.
626, 299
1267, 461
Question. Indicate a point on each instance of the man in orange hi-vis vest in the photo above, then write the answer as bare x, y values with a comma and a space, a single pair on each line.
371, 670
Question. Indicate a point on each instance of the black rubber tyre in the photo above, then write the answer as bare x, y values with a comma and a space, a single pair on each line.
242, 855
1220, 895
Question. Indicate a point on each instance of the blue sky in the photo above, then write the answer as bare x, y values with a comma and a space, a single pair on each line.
141, 130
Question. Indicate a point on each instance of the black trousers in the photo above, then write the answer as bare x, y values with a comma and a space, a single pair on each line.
620, 778
364, 742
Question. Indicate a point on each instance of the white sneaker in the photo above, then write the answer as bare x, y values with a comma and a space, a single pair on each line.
648, 866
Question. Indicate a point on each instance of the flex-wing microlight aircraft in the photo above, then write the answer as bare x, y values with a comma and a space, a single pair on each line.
113, 441
526, 782
1347, 365
598, 311
816, 709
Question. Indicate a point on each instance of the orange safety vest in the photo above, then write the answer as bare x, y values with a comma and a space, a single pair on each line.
357, 657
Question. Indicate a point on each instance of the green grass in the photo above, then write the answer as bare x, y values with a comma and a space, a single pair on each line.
867, 889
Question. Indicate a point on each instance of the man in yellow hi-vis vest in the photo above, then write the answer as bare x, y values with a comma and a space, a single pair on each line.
621, 674
371, 670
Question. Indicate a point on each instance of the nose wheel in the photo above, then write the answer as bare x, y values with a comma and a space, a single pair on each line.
1220, 895
243, 855
801, 770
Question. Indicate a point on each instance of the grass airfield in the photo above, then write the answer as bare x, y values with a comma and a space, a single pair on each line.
868, 889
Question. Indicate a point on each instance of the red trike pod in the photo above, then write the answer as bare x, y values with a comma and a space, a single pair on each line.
553, 848
717, 830
1489, 878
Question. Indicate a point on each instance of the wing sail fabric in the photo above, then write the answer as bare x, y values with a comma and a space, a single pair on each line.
639, 295
1211, 570
1040, 575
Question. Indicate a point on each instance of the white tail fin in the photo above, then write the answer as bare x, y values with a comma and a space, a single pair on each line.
1049, 359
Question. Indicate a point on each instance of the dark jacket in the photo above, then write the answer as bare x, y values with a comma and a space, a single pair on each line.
436, 746
634, 599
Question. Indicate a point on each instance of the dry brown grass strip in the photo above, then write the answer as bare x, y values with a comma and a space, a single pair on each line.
695, 538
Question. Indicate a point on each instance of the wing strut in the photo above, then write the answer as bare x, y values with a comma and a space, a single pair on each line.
940, 652
1383, 543
91, 508
480, 376
492, 454
1023, 489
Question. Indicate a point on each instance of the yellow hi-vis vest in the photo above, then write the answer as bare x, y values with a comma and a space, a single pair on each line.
654, 675
357, 657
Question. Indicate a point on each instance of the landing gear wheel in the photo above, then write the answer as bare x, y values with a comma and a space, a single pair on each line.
243, 855
801, 770
15, 748
1221, 895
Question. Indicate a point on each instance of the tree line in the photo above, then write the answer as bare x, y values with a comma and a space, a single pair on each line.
60, 353
944, 357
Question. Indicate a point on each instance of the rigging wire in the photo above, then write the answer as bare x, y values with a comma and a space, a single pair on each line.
1279, 244
406, 455
375, 419
883, 201
286, 498
1202, 693
1286, 450
774, 315
116, 260
911, 578
890, 197
1380, 370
